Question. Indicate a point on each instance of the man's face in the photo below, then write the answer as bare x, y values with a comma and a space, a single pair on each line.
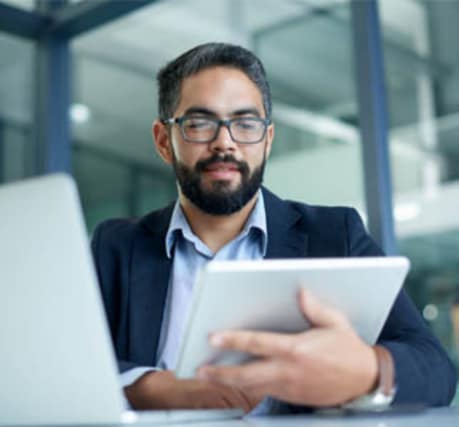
221, 176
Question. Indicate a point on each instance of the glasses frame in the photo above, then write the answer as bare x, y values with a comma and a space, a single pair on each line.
219, 122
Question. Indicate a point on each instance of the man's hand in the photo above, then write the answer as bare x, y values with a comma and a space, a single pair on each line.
327, 365
162, 390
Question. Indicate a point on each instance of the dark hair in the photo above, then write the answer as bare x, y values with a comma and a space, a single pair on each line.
171, 76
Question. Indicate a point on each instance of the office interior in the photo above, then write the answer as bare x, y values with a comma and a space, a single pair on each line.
80, 97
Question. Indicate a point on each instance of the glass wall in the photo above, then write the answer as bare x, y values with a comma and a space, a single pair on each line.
422, 78
17, 154
307, 51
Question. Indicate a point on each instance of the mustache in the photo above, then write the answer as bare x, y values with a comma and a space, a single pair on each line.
242, 166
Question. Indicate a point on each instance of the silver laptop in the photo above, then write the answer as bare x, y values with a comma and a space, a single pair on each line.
57, 364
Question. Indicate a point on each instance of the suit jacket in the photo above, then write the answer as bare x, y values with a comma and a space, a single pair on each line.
134, 271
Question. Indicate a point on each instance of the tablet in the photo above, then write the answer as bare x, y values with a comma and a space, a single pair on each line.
262, 295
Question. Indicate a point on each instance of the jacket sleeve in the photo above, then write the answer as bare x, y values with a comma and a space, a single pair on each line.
108, 274
424, 372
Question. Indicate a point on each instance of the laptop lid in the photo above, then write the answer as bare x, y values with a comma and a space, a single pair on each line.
57, 363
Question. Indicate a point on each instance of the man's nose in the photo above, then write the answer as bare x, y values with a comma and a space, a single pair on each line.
223, 142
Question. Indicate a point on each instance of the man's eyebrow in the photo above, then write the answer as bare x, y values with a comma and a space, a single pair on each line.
205, 111
200, 110
246, 111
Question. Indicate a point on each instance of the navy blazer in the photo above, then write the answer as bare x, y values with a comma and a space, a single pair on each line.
133, 271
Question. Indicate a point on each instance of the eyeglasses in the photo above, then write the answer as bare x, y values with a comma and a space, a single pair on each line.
243, 130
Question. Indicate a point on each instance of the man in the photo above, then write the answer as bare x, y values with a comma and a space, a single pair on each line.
215, 130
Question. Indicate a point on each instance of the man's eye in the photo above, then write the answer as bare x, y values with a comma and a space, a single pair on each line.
194, 124
246, 124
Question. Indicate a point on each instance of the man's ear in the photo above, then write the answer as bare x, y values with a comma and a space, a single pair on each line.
269, 139
163, 143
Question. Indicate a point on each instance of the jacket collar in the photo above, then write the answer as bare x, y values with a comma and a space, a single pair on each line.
157, 222
287, 235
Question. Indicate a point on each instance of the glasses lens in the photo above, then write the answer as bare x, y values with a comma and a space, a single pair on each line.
247, 130
199, 129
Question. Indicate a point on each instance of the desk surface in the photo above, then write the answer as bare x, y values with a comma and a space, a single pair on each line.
439, 417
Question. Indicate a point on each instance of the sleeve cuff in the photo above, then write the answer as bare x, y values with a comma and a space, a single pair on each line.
131, 376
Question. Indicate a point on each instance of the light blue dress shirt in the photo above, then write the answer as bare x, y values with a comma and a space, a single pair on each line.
189, 254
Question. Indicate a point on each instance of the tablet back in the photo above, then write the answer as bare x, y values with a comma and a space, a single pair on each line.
262, 295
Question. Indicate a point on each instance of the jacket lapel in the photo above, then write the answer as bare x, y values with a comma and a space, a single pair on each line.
287, 236
150, 272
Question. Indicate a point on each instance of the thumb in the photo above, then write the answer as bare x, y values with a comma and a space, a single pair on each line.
318, 313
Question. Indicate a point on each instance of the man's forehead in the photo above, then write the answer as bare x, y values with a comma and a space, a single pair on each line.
220, 88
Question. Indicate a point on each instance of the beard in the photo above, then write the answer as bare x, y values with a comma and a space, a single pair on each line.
220, 199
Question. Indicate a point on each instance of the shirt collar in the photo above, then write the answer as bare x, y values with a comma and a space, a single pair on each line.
179, 226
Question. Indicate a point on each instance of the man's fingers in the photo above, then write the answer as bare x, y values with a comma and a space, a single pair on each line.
319, 314
255, 377
253, 342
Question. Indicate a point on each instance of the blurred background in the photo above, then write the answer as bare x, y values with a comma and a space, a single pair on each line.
308, 51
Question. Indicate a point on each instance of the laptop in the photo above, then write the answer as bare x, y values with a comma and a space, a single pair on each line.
57, 364
262, 295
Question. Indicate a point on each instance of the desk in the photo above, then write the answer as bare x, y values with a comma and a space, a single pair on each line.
440, 417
